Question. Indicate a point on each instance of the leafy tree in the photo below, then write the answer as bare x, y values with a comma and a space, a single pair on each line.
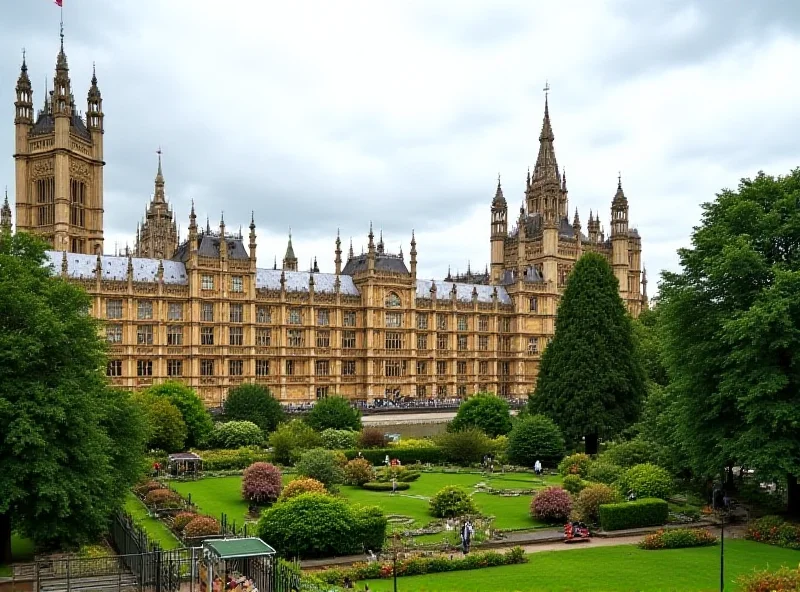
591, 380
339, 439
253, 402
236, 434
198, 421
166, 428
291, 439
452, 501
484, 411
731, 338
535, 437
322, 465
467, 446
334, 412
261, 483
67, 450
646, 332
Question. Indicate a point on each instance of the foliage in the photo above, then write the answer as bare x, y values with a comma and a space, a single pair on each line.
423, 565
236, 434
261, 483
400, 473
358, 471
195, 415
167, 430
535, 437
163, 499
315, 525
774, 530
291, 439
648, 340
679, 538
201, 526
601, 471
452, 501
591, 380
589, 500
730, 339
629, 453
782, 580
636, 514
142, 489
467, 446
339, 439
322, 465
646, 481
485, 411
574, 484
407, 456
409, 443
384, 486
228, 460
372, 438
334, 412
302, 485
551, 504
575, 464
253, 402
181, 519
69, 447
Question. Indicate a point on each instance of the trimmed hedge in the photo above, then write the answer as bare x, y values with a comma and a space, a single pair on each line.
636, 514
680, 538
383, 486
226, 460
407, 456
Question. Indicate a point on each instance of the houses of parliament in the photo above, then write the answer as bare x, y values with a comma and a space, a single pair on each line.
200, 309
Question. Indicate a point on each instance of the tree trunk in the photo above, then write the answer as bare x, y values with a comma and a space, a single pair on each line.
5, 538
793, 495
591, 444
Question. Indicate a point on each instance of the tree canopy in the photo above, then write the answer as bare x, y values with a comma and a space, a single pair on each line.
334, 412
253, 402
486, 412
69, 446
591, 380
731, 323
195, 415
166, 428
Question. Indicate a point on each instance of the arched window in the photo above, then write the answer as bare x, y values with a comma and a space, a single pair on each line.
392, 300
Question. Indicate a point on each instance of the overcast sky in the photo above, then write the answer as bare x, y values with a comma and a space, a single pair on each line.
325, 115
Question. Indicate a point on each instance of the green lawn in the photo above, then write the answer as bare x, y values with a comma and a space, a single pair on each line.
622, 569
21, 550
154, 528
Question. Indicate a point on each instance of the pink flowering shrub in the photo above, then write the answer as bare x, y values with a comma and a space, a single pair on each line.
551, 504
201, 526
261, 483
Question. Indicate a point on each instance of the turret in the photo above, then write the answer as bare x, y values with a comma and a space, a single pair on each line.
24, 102
576, 229
338, 253
62, 88
645, 299
371, 250
593, 227
252, 237
5, 215
381, 248
94, 107
619, 237
413, 257
545, 195
223, 244
289, 259
499, 231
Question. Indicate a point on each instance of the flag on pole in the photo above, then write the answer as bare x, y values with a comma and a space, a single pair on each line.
60, 3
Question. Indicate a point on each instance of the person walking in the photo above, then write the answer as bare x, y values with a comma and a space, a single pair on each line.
466, 536
537, 467
394, 485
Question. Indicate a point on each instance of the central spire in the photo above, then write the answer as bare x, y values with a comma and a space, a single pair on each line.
159, 193
546, 168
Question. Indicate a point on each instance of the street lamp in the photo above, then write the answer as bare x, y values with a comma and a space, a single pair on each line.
395, 547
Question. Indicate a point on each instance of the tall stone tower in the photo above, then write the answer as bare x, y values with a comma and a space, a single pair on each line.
619, 239
59, 163
157, 237
499, 232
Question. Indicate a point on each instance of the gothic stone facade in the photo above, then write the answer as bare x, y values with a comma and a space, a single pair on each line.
203, 312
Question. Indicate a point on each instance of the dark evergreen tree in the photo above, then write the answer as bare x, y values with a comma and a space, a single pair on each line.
484, 411
253, 402
591, 381
334, 412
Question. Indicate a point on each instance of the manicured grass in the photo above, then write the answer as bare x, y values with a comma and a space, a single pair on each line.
216, 496
623, 568
154, 528
21, 551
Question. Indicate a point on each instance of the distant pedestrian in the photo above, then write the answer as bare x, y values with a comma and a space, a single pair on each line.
466, 536
386, 461
394, 485
537, 467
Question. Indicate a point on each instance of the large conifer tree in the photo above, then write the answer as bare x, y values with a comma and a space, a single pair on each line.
591, 380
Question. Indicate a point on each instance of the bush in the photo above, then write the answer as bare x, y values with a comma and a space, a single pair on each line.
589, 500
166, 429
302, 485
261, 483
782, 580
384, 486
574, 484
604, 472
486, 412
535, 437
291, 439
315, 525
142, 489
630, 453
339, 439
408, 443
372, 438
637, 514
575, 464
163, 499
467, 446
679, 538
452, 501
253, 402
180, 520
236, 434
408, 456
322, 465
334, 412
400, 473
774, 530
551, 504
646, 481
358, 471
201, 526
195, 415
231, 460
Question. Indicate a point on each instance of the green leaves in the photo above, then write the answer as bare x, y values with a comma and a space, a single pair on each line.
486, 412
253, 402
334, 412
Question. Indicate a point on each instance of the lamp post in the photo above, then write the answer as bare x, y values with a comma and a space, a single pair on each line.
722, 551
395, 537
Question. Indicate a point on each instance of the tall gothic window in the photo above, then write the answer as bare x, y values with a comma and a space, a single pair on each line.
393, 300
77, 201
46, 201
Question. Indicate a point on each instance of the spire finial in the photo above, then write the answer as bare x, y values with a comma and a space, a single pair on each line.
619, 178
94, 74
24, 63
252, 219
546, 89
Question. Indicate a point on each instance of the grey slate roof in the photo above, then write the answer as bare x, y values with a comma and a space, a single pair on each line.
533, 227
383, 262
208, 246
116, 268
297, 281
46, 124
463, 291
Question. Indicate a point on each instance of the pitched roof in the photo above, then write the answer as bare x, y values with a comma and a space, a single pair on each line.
383, 262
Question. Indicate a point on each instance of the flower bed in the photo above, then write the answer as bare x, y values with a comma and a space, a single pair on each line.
774, 530
680, 538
